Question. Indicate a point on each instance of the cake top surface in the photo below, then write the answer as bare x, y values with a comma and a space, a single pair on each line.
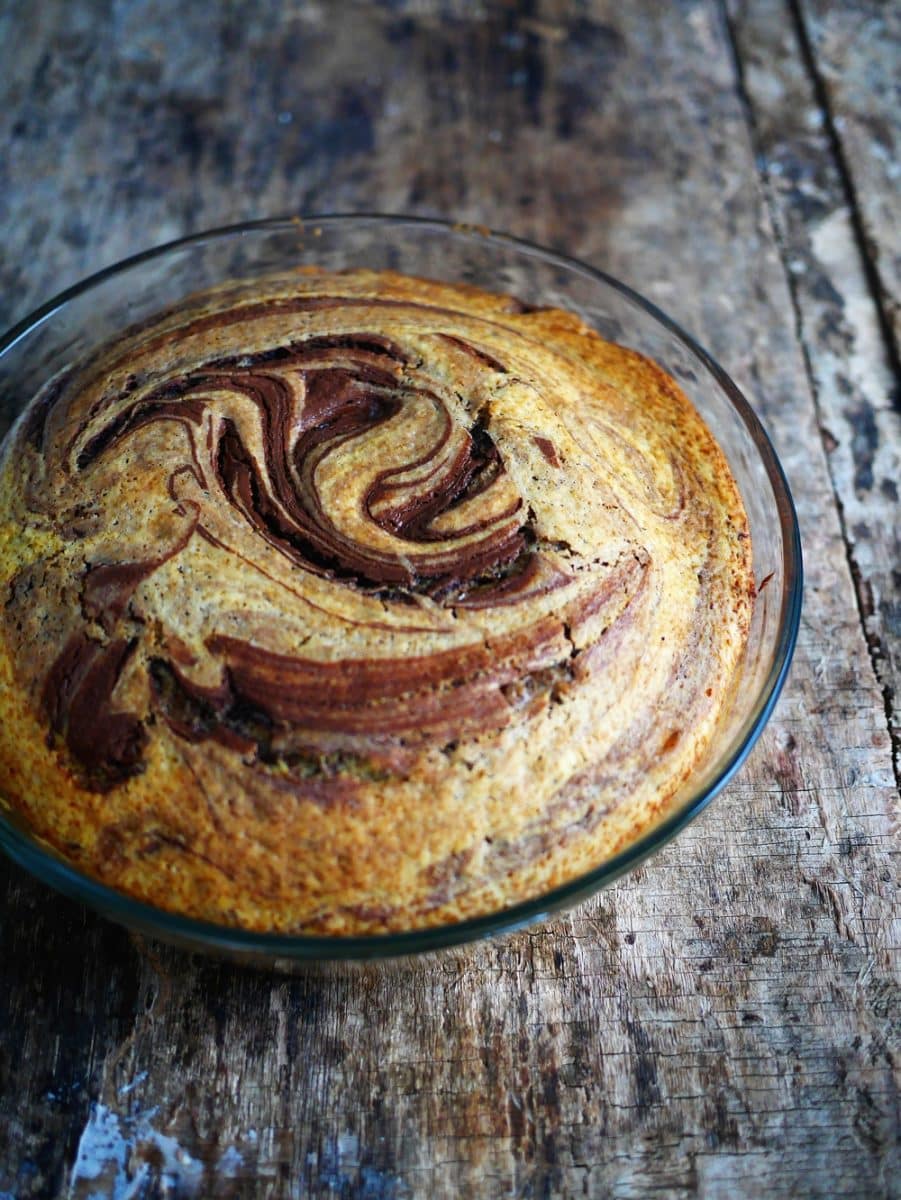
304, 570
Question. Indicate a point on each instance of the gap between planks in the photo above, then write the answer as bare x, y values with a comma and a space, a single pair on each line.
875, 649
870, 270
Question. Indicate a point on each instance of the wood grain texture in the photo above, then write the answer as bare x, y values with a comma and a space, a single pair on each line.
837, 320
724, 1021
853, 54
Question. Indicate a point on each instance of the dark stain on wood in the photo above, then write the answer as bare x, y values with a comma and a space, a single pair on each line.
864, 444
644, 1066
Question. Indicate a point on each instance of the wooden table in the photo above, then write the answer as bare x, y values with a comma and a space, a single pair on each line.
724, 1021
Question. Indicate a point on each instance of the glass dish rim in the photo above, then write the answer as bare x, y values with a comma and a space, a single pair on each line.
49, 868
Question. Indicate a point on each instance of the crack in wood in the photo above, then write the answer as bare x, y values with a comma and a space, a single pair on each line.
875, 645
878, 291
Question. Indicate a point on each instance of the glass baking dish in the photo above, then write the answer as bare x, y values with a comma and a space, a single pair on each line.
80, 320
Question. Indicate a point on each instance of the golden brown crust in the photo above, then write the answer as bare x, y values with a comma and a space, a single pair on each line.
359, 602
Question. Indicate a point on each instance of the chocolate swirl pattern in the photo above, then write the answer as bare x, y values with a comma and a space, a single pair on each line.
356, 602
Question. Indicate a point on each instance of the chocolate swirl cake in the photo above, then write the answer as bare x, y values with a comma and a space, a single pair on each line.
355, 602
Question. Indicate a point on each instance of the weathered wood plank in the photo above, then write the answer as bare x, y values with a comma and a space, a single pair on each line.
855, 50
725, 1019
837, 319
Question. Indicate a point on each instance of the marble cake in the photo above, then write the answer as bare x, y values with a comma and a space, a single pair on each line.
355, 602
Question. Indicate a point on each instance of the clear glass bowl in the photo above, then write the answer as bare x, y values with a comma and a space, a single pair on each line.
76, 322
